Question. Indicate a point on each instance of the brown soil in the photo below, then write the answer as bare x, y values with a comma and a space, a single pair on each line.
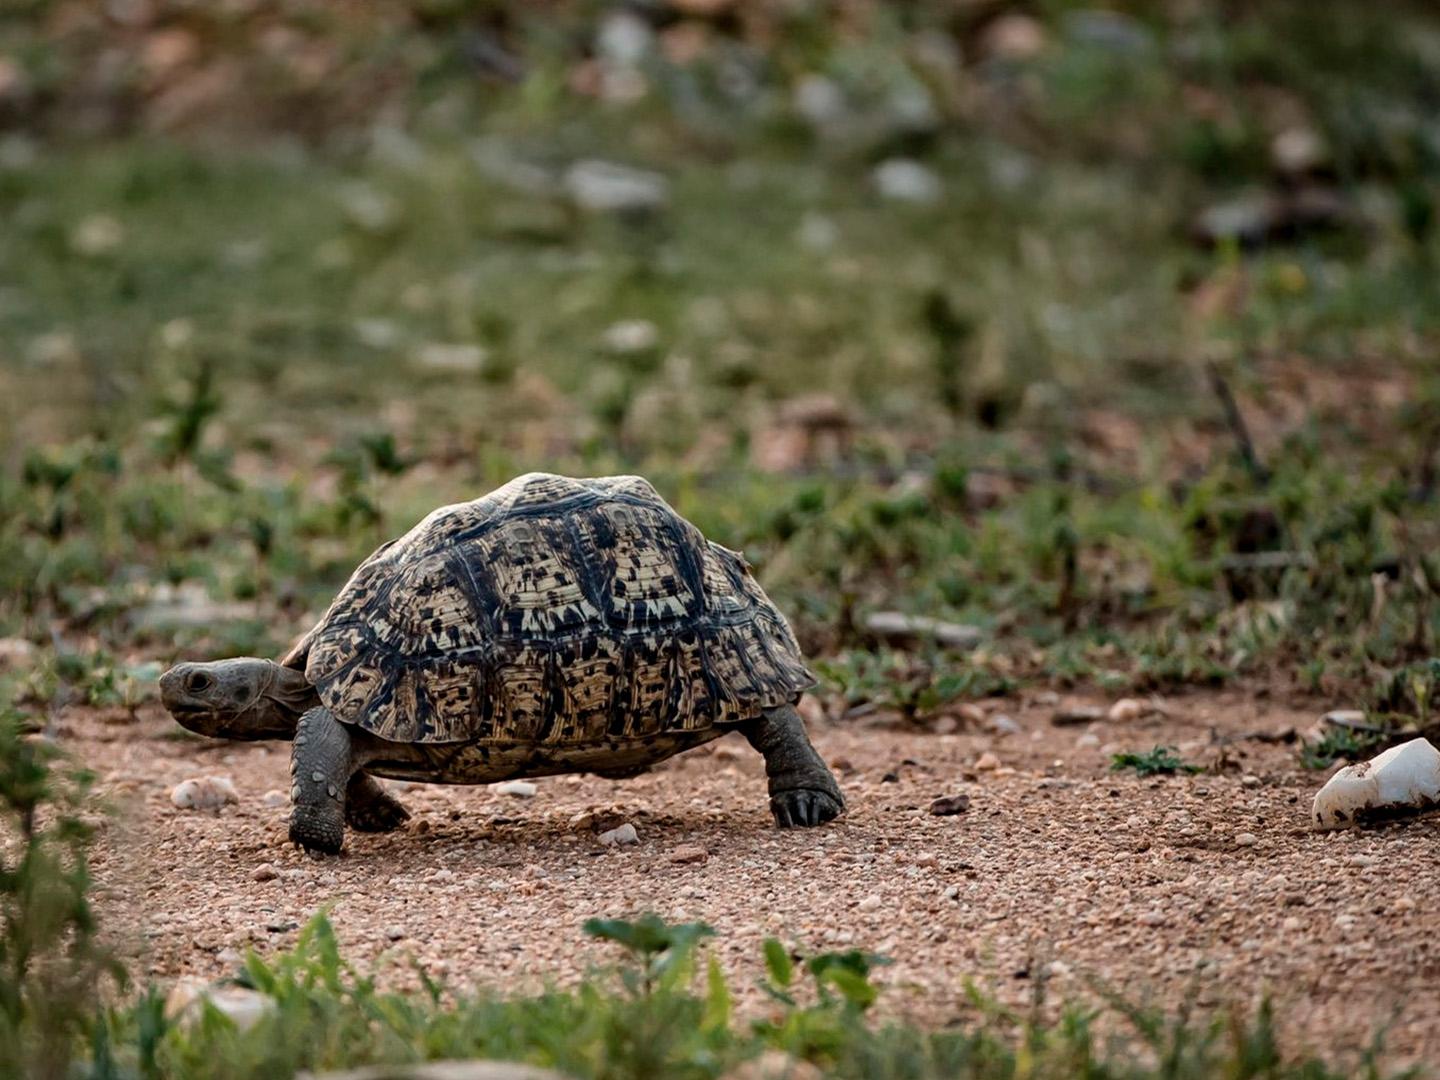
1059, 871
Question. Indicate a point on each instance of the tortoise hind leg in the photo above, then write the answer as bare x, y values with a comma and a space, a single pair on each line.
321, 764
802, 790
370, 808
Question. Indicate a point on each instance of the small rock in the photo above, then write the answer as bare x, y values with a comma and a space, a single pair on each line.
1074, 715
1152, 918
987, 762
395, 933
630, 336
904, 180
453, 358
1298, 150
1013, 37
521, 789
624, 835
478, 1069
244, 1007
898, 627
950, 804
1088, 741
951, 892
1246, 839
774, 1065
1001, 724
1250, 780
16, 653
264, 872
204, 793
1109, 30
98, 234
687, 853
871, 903
275, 798
1127, 709
605, 186
369, 209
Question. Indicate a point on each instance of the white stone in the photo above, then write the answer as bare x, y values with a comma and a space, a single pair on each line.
243, 1007
631, 336
904, 180
204, 793
460, 358
624, 39
521, 789
618, 837
606, 186
1403, 777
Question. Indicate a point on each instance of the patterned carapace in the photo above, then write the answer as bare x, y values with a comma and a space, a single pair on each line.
555, 612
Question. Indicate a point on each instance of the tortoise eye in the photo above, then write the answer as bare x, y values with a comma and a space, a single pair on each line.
197, 682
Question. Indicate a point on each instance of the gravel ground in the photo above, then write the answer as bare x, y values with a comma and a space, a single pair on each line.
1168, 889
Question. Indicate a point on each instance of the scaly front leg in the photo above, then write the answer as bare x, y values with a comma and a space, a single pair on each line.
802, 790
321, 763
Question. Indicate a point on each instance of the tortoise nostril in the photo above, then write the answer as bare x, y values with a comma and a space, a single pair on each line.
197, 682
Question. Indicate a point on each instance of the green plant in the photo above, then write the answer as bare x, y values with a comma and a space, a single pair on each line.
52, 965
1160, 761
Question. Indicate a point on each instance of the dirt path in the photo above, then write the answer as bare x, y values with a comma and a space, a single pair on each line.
1058, 869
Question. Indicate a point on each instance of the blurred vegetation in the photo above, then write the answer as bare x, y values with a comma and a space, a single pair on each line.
1107, 331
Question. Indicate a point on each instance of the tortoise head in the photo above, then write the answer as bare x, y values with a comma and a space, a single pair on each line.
243, 698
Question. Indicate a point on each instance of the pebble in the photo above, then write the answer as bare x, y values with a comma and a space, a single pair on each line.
204, 793
1250, 780
1088, 741
987, 761
243, 1006
264, 872
687, 853
1074, 715
275, 798
395, 933
1246, 839
16, 652
1001, 724
605, 186
625, 834
904, 180
521, 789
1126, 709
871, 903
950, 804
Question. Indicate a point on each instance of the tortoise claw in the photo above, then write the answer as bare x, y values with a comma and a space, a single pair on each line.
804, 808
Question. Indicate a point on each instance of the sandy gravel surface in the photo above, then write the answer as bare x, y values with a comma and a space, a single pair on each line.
1207, 886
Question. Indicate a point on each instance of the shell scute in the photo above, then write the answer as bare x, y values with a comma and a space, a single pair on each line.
552, 611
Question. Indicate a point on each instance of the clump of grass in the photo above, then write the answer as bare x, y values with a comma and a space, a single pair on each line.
1340, 744
1160, 761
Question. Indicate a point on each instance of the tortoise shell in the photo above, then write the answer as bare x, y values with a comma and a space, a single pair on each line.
554, 612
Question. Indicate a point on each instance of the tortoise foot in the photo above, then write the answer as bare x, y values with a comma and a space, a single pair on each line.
317, 832
804, 807
382, 814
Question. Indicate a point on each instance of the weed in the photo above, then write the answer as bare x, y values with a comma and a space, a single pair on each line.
1160, 761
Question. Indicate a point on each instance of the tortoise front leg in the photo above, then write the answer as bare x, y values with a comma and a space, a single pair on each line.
321, 764
802, 790
370, 808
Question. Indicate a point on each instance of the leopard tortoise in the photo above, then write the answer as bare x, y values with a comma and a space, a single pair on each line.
551, 626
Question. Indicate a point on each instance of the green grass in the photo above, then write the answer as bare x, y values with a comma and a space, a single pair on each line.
1159, 761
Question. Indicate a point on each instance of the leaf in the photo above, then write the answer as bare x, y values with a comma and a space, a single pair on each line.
777, 963
716, 1016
